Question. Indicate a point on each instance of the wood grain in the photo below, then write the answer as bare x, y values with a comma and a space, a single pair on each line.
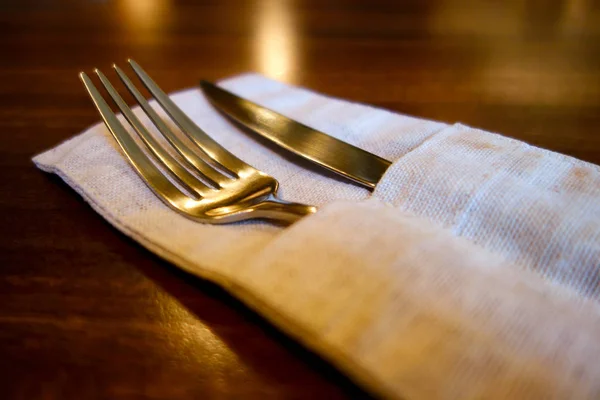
87, 313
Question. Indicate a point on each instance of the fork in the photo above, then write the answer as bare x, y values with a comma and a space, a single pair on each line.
206, 183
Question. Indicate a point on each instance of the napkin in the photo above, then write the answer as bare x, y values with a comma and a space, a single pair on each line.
472, 270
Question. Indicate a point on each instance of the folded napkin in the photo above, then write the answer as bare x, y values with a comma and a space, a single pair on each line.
471, 272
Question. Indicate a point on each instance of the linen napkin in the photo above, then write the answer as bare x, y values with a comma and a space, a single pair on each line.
472, 271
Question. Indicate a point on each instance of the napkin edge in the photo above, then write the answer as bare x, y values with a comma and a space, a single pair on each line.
309, 341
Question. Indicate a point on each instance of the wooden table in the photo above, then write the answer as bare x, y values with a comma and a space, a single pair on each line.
87, 313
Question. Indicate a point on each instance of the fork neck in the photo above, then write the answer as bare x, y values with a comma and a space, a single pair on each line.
285, 212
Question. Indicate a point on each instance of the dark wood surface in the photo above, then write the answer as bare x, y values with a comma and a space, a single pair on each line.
87, 313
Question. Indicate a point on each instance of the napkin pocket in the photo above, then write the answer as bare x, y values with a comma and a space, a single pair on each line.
470, 272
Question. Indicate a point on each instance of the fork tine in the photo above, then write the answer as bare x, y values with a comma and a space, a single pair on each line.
212, 175
179, 173
218, 155
150, 174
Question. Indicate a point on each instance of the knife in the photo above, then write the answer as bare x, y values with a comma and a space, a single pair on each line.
333, 154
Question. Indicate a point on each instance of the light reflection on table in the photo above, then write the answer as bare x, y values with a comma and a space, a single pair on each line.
145, 17
276, 40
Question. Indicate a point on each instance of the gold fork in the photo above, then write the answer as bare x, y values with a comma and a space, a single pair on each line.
212, 185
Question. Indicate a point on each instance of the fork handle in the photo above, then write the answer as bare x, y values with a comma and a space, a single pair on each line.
286, 212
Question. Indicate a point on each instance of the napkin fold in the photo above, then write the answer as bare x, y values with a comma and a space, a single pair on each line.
472, 270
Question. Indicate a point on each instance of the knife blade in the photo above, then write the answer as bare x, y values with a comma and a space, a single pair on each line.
340, 157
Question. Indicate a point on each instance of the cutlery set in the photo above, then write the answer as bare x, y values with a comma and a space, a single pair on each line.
202, 180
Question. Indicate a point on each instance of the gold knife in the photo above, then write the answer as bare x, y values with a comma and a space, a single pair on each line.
340, 157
